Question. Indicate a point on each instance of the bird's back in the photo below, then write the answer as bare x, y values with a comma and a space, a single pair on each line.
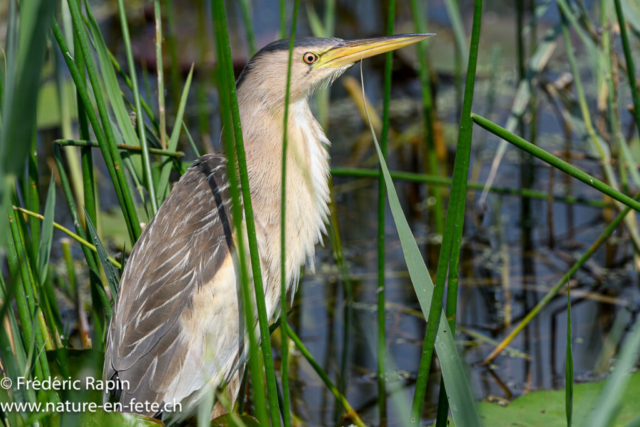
179, 278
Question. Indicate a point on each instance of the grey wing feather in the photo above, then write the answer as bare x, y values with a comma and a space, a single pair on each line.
172, 258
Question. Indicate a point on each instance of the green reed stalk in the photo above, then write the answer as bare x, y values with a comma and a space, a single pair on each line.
448, 260
635, 92
20, 293
284, 370
582, 101
30, 192
429, 114
99, 298
26, 44
71, 285
382, 205
283, 19
347, 286
247, 306
174, 69
14, 362
104, 135
132, 148
245, 5
442, 181
568, 378
233, 135
556, 162
608, 405
146, 162
223, 35
626, 159
453, 372
520, 51
38, 330
127, 80
86, 153
565, 279
351, 413
586, 117
68, 232
160, 69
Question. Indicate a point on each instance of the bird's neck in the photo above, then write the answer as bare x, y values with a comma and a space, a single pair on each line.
307, 181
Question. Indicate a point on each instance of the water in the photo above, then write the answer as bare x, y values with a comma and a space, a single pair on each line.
510, 237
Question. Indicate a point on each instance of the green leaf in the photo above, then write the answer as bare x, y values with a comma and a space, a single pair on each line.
227, 420
109, 269
47, 232
111, 82
317, 28
453, 10
619, 385
631, 10
546, 408
78, 363
569, 364
102, 418
163, 184
25, 48
453, 370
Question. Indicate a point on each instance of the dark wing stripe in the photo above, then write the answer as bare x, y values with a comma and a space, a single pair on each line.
180, 250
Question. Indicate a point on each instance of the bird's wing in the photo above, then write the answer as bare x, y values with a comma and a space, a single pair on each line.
180, 251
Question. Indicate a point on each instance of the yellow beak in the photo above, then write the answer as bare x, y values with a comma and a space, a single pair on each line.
349, 52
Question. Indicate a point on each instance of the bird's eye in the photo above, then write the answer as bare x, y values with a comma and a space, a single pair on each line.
310, 58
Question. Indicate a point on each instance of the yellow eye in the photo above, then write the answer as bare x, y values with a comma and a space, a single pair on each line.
309, 58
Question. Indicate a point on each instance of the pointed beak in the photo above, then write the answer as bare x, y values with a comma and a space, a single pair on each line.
352, 51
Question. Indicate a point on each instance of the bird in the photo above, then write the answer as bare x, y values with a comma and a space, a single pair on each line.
177, 332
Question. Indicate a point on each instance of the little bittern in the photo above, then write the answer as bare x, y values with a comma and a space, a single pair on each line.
177, 330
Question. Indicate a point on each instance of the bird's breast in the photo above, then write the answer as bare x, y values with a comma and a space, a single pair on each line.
307, 194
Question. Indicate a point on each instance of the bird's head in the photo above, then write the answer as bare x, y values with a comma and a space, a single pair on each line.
316, 62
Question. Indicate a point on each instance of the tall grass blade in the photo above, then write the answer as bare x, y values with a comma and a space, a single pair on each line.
286, 408
245, 5
556, 162
231, 125
442, 181
98, 295
351, 413
382, 206
46, 237
453, 371
219, 16
631, 11
24, 58
31, 316
111, 85
449, 258
104, 134
157, 11
146, 162
163, 183
14, 362
453, 10
109, 270
568, 376
132, 148
635, 92
428, 109
609, 402
68, 232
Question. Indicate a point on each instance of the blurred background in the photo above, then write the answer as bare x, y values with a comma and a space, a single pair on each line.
515, 247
